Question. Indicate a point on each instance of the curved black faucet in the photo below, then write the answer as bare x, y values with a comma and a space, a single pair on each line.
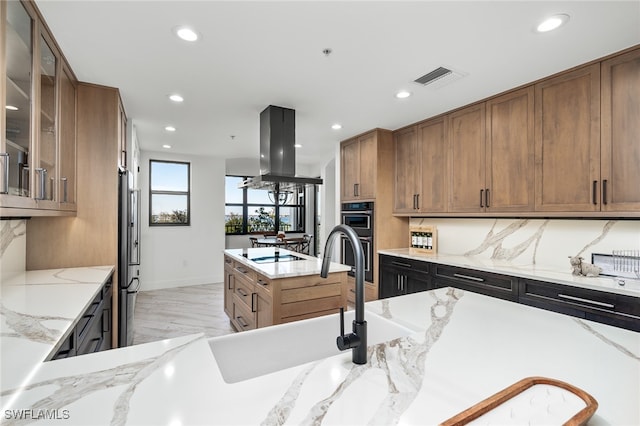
357, 340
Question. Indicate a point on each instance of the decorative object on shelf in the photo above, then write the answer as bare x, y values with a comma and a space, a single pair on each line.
579, 267
554, 401
423, 239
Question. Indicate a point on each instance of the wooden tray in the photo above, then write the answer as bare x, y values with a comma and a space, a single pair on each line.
502, 397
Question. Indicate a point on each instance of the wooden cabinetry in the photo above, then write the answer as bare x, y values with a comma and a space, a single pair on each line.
568, 141
400, 276
420, 166
359, 164
620, 130
253, 301
35, 128
93, 331
68, 89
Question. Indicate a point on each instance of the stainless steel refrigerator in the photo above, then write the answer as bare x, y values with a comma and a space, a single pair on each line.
128, 255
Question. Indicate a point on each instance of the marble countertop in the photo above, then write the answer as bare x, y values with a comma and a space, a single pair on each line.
531, 271
37, 311
309, 266
463, 348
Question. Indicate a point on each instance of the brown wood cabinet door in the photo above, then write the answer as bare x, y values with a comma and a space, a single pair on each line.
406, 170
621, 133
466, 160
432, 151
228, 290
67, 140
350, 166
510, 152
264, 310
366, 188
567, 141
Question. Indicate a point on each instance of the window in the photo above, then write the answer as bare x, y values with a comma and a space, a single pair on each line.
257, 210
169, 193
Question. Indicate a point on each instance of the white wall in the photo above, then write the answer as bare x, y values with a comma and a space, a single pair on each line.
175, 256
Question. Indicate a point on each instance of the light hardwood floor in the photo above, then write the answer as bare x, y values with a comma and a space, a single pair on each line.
174, 312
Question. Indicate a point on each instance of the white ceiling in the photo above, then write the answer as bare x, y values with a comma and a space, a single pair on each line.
252, 54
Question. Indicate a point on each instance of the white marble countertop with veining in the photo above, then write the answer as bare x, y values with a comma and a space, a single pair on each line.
37, 310
522, 270
464, 348
308, 266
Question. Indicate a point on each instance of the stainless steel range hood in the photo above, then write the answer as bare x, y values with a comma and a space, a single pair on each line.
278, 152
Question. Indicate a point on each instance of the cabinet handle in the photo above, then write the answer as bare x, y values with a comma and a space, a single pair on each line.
262, 283
486, 198
64, 189
242, 322
595, 192
106, 322
417, 201
253, 304
242, 270
481, 197
242, 292
5, 172
468, 277
414, 201
43, 180
604, 192
406, 265
229, 278
580, 299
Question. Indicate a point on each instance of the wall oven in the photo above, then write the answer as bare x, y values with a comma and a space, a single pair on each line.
359, 216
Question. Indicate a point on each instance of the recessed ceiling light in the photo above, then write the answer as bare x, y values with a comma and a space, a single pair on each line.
170, 129
165, 146
402, 94
11, 108
297, 145
552, 23
336, 126
186, 33
176, 98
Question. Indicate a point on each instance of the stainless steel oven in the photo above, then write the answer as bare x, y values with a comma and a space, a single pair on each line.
359, 216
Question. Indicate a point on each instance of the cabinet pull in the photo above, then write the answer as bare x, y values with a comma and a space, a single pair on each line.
595, 192
5, 172
486, 198
414, 201
253, 302
242, 322
406, 265
64, 190
468, 277
481, 197
604, 192
580, 299
43, 180
242, 292
106, 321
242, 270
262, 283
417, 201
229, 281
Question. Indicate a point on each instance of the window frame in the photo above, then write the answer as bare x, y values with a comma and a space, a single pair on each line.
276, 206
156, 192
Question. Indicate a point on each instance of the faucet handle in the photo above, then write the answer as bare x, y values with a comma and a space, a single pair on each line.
348, 341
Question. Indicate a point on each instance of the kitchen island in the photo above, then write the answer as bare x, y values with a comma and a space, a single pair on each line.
462, 347
267, 286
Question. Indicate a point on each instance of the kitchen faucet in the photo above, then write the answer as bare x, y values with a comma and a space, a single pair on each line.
357, 340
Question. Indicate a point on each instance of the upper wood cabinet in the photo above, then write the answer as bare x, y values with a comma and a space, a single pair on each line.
567, 141
68, 153
620, 140
420, 166
360, 160
35, 159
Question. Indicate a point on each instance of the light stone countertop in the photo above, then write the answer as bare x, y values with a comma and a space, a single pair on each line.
531, 271
464, 348
274, 270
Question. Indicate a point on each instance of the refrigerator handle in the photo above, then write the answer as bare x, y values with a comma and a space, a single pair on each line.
131, 285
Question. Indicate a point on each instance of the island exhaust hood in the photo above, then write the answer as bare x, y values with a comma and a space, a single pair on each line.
278, 153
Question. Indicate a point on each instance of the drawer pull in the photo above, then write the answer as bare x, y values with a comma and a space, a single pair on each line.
580, 299
406, 265
242, 322
263, 283
242, 270
242, 292
468, 277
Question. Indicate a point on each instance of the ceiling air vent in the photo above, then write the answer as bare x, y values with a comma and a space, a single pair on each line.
439, 77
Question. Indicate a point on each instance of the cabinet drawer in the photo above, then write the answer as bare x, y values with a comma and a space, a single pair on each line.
68, 347
243, 318
93, 336
263, 286
608, 308
93, 313
245, 272
487, 283
243, 292
406, 265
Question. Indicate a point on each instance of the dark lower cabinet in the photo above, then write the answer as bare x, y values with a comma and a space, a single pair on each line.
400, 276
607, 308
487, 283
93, 331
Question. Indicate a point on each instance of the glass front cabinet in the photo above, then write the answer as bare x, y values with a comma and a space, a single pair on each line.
38, 128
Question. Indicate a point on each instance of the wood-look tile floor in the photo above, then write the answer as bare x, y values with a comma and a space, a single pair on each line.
174, 312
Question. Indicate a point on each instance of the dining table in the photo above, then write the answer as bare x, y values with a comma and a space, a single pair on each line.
289, 243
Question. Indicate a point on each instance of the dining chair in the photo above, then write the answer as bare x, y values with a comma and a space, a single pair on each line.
254, 241
306, 243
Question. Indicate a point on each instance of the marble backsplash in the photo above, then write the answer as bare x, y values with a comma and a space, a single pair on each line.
13, 247
543, 242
